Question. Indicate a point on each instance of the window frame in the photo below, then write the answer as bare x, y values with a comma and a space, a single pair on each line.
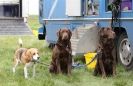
107, 3
86, 8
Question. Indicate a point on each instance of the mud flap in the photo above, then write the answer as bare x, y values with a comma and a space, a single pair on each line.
41, 33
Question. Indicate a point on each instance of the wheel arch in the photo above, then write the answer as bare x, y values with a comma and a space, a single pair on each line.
42, 33
118, 31
119, 36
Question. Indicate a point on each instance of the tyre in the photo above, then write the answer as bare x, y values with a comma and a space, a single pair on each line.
41, 37
124, 54
41, 33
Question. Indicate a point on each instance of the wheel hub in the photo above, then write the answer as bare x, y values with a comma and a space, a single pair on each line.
125, 52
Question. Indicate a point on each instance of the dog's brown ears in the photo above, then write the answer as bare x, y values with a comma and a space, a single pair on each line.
70, 33
58, 32
28, 53
109, 28
101, 31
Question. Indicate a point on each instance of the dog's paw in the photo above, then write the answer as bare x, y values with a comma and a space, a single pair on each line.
114, 74
13, 69
95, 73
104, 76
26, 77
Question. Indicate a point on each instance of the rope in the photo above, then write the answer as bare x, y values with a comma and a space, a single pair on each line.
115, 7
98, 55
43, 63
95, 57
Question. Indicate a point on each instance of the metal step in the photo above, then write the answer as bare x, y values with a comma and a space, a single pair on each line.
83, 39
78, 33
14, 27
74, 44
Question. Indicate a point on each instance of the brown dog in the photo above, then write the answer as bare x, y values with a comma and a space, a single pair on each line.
106, 63
61, 57
28, 57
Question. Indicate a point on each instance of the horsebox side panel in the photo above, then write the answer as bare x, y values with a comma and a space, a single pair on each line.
54, 9
52, 29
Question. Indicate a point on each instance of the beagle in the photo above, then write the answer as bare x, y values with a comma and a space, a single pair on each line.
28, 57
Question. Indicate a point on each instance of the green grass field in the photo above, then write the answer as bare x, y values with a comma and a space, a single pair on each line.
33, 22
79, 77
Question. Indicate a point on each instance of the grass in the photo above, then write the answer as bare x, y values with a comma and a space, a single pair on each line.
33, 22
79, 77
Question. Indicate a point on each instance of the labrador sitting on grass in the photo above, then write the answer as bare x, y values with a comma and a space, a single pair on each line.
106, 62
61, 55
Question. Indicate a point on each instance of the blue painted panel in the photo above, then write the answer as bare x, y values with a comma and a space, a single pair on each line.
59, 13
59, 9
55, 8
52, 30
47, 7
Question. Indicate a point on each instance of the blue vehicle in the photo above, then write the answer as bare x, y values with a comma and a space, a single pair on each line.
84, 18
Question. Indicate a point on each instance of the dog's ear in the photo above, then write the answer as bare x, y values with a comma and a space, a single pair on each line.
109, 28
37, 51
58, 32
70, 33
101, 31
28, 54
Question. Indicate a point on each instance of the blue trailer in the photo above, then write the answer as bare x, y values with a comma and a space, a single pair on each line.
84, 18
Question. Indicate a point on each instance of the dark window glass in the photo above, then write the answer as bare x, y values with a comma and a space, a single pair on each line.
126, 5
92, 7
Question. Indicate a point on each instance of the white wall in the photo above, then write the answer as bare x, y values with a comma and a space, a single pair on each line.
33, 7
9, 1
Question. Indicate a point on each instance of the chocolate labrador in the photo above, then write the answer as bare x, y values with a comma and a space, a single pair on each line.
106, 61
61, 55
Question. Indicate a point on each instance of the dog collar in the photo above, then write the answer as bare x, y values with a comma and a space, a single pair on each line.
62, 45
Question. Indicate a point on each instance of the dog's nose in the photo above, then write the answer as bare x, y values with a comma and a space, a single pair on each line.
65, 36
38, 57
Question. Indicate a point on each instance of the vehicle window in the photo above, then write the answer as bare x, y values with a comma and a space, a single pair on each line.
92, 7
126, 5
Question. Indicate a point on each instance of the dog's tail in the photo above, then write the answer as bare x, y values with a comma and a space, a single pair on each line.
20, 42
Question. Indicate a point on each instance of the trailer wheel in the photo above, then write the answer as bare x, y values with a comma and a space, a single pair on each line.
41, 33
124, 54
